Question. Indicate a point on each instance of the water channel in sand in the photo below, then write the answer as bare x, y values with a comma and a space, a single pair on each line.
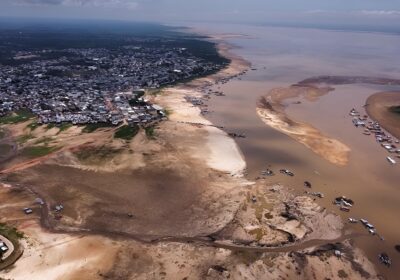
282, 57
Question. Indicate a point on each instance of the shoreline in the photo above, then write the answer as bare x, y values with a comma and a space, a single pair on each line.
224, 153
378, 108
212, 146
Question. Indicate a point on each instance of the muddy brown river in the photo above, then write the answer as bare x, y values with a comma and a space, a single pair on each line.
283, 56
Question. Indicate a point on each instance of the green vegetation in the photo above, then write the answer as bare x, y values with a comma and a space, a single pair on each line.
155, 92
24, 138
126, 132
139, 93
14, 236
64, 127
150, 132
395, 109
39, 151
11, 233
96, 154
33, 125
92, 127
17, 117
44, 140
167, 112
135, 100
50, 126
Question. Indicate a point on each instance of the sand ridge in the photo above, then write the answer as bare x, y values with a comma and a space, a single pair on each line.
271, 110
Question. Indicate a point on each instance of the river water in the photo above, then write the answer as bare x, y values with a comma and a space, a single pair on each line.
284, 56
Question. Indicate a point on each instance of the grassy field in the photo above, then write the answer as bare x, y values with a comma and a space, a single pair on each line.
11, 233
150, 132
44, 140
24, 138
33, 125
94, 155
14, 236
94, 126
38, 151
17, 117
64, 127
126, 132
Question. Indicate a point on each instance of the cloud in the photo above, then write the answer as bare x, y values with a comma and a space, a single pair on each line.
123, 4
37, 2
381, 12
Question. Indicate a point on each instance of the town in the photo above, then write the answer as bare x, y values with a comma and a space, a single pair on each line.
95, 85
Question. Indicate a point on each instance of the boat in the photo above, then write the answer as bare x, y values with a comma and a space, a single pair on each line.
343, 201
267, 172
353, 221
287, 172
344, 208
385, 259
367, 224
391, 160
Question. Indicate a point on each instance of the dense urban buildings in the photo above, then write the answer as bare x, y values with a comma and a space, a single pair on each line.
95, 85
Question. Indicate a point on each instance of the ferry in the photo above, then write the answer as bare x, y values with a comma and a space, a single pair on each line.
391, 160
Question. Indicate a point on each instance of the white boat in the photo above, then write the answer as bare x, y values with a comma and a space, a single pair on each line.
353, 221
392, 161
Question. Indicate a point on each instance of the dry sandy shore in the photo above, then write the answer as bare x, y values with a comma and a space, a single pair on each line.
173, 207
271, 110
378, 108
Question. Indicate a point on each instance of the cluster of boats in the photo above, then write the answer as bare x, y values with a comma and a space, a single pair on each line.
370, 227
344, 203
269, 172
383, 257
374, 128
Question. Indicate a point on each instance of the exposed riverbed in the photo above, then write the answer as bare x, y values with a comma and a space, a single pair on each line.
281, 57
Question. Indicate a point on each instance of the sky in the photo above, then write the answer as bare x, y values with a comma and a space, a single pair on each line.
353, 12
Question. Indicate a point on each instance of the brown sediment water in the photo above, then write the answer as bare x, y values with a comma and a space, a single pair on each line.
282, 57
